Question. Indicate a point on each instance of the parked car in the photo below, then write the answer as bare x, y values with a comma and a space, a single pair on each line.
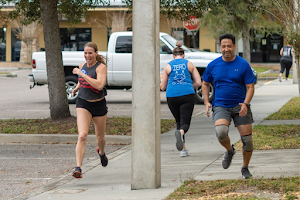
119, 64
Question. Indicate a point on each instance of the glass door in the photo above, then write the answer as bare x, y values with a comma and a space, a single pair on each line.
275, 44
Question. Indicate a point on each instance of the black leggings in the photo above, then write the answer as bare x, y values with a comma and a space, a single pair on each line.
285, 65
182, 109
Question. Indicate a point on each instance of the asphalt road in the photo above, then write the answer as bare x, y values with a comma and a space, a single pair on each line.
27, 166
19, 101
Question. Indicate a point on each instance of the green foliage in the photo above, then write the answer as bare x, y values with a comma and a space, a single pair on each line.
179, 9
293, 38
232, 16
287, 12
72, 10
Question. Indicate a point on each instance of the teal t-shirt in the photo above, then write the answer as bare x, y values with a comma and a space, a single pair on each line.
180, 82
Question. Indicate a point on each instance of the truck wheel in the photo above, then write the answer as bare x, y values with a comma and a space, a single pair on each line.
199, 97
71, 82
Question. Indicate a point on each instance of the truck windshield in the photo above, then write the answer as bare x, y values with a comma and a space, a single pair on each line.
172, 41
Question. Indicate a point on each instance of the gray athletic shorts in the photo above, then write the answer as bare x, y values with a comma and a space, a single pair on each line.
232, 113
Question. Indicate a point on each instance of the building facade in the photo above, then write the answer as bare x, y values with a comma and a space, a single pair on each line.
102, 21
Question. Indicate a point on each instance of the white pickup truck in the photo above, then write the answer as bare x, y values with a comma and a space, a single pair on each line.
119, 64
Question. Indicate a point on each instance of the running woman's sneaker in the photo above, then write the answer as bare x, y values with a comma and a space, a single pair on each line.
103, 158
228, 158
184, 153
280, 78
77, 173
245, 173
179, 140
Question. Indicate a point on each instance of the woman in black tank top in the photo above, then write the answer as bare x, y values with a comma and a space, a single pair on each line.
91, 104
286, 61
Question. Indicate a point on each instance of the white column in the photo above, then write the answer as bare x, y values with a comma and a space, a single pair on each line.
146, 159
295, 70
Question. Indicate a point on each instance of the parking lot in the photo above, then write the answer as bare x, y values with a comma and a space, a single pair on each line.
34, 103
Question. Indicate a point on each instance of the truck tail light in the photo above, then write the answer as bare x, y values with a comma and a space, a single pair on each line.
33, 64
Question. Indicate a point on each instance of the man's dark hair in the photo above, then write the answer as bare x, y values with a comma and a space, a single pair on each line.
227, 36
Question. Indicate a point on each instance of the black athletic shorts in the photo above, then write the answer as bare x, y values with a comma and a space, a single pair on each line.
97, 108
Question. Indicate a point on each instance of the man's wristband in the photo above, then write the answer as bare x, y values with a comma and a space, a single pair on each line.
248, 105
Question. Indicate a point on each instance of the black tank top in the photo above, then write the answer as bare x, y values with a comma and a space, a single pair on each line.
287, 53
86, 91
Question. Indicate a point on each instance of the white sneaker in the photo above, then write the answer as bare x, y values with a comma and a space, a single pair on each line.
184, 153
280, 77
179, 140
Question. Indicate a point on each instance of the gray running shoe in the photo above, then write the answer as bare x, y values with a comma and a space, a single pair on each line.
179, 140
280, 78
228, 158
184, 153
245, 173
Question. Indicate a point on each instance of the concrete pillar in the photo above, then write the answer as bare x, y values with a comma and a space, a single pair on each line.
146, 159
295, 70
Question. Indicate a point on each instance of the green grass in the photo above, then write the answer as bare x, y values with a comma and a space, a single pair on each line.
285, 188
114, 126
260, 69
274, 137
4, 73
291, 110
273, 75
278, 136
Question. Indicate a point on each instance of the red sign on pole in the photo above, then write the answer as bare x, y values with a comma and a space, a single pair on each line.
192, 24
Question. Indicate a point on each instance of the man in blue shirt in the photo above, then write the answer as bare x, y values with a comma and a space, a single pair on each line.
233, 81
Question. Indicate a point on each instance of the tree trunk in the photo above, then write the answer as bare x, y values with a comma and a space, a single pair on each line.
59, 107
23, 53
298, 72
245, 37
246, 41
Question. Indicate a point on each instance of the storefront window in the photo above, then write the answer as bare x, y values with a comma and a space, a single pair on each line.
74, 39
266, 48
3, 44
15, 46
188, 38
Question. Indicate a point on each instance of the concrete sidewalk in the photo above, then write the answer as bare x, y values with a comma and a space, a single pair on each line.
203, 162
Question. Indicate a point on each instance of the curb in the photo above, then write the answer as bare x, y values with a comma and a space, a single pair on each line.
13, 68
8, 75
60, 139
266, 78
281, 122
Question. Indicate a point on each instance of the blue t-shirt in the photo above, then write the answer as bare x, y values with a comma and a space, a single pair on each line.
230, 80
180, 82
